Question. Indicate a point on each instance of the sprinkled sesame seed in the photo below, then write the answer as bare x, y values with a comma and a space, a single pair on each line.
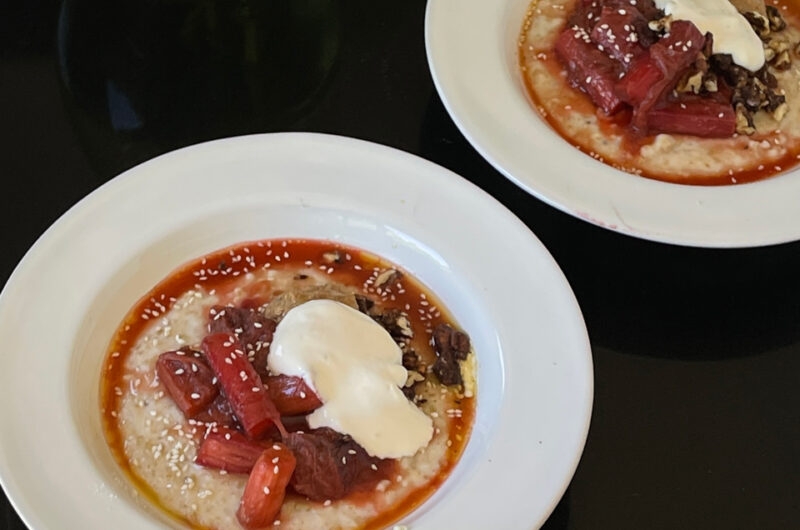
266, 490
327, 503
275, 470
194, 395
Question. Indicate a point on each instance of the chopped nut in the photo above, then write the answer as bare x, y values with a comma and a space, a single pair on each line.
750, 5
405, 326
364, 304
414, 378
395, 322
783, 61
767, 78
769, 54
662, 24
759, 23
774, 101
691, 83
411, 361
387, 277
744, 121
780, 112
333, 256
778, 45
776, 22
710, 83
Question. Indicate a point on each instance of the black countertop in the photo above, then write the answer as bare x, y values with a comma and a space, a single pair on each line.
696, 420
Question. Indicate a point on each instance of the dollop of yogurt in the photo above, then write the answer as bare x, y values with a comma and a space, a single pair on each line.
732, 33
356, 369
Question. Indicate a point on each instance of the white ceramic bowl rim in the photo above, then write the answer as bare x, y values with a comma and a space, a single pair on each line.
472, 53
65, 298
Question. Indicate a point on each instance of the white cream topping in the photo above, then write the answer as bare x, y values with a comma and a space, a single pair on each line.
356, 369
732, 33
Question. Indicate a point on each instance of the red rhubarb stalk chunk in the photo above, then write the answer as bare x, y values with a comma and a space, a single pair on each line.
291, 395
266, 487
188, 380
708, 119
229, 450
241, 384
588, 68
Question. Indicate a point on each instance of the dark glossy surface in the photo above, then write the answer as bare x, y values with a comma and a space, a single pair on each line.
697, 352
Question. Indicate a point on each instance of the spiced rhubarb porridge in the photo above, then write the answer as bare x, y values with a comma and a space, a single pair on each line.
687, 91
291, 383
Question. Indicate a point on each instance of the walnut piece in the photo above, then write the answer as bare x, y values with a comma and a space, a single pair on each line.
744, 121
776, 22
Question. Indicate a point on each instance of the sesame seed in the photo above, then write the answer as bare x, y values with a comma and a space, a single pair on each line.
275, 470
266, 490
194, 395
275, 460
327, 503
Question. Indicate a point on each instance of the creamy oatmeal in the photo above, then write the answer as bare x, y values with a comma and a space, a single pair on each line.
157, 444
758, 144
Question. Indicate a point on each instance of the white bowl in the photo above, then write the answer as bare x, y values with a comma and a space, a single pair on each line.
64, 300
472, 53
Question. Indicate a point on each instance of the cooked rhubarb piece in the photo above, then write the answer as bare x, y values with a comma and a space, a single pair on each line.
266, 488
622, 33
672, 55
585, 14
328, 463
697, 118
291, 395
219, 412
241, 384
252, 329
228, 450
188, 380
588, 68
647, 8
637, 83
